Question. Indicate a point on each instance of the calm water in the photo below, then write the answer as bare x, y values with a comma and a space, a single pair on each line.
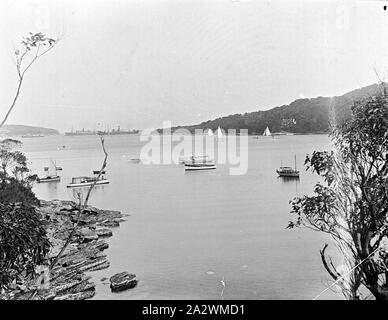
189, 230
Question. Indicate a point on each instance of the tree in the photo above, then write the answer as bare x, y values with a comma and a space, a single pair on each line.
351, 204
33, 47
15, 179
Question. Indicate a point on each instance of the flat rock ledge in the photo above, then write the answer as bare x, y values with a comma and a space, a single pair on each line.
84, 253
122, 281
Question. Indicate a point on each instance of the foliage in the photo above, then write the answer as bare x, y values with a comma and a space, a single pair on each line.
352, 203
23, 241
33, 45
300, 116
15, 178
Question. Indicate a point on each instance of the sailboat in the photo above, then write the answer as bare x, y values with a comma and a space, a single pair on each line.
219, 132
51, 173
266, 132
210, 133
288, 172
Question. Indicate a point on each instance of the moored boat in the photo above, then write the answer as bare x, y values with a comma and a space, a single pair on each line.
199, 166
51, 174
288, 171
86, 181
219, 132
195, 160
49, 179
266, 132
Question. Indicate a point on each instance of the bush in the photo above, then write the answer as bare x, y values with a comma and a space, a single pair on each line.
11, 190
23, 241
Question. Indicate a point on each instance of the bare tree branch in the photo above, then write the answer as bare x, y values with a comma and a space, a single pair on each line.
82, 207
35, 41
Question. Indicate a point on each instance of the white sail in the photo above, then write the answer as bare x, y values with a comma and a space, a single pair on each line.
210, 133
52, 170
266, 132
219, 132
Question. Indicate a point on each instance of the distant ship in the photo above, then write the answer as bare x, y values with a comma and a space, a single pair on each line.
119, 131
82, 132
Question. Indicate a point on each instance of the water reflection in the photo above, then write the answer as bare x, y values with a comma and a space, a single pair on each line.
289, 181
52, 189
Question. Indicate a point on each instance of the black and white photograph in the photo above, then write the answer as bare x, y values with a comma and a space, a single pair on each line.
220, 151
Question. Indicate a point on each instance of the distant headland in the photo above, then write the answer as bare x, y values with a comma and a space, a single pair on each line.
13, 130
302, 116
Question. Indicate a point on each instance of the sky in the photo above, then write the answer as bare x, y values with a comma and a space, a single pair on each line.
139, 63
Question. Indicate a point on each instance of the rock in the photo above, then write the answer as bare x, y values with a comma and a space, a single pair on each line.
84, 253
22, 287
90, 238
104, 232
101, 266
67, 208
88, 234
92, 210
109, 223
77, 296
122, 281
103, 279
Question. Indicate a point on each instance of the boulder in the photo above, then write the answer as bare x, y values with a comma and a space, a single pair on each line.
88, 234
104, 232
122, 281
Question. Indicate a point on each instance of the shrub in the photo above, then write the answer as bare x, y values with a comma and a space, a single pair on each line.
23, 241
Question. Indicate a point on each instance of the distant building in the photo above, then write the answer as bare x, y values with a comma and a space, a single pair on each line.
288, 123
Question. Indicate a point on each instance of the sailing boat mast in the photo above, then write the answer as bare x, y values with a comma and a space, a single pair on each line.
295, 161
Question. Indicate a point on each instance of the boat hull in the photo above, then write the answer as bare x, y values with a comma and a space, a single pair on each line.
53, 179
199, 167
86, 184
288, 175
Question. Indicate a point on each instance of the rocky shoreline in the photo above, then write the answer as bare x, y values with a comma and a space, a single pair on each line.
84, 253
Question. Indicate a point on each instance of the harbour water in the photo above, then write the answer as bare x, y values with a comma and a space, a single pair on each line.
189, 230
